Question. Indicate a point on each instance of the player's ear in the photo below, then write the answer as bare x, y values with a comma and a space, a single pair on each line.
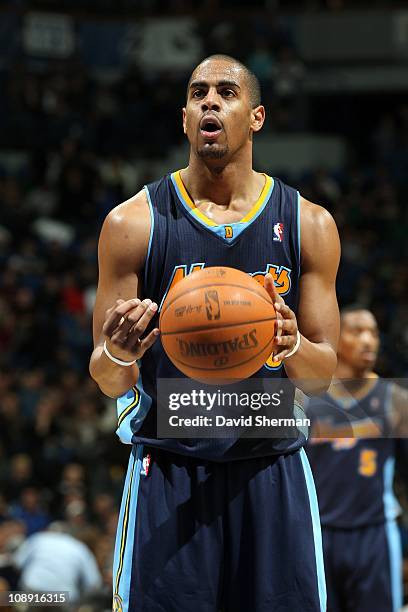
258, 118
184, 121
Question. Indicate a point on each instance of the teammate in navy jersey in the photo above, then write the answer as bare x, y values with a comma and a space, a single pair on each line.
352, 454
209, 525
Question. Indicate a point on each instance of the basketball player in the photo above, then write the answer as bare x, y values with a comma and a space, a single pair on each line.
352, 457
208, 524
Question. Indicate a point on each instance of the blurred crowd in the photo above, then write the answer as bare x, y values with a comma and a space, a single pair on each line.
182, 6
80, 146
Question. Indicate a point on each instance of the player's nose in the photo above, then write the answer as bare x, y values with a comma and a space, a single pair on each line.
368, 340
211, 100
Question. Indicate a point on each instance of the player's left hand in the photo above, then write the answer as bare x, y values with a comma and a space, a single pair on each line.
287, 327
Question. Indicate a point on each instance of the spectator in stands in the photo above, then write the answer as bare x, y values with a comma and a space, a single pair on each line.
30, 510
53, 560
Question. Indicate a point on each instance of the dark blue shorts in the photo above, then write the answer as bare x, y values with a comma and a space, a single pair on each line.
199, 536
363, 568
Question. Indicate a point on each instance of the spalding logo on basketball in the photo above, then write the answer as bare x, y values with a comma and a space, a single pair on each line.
218, 325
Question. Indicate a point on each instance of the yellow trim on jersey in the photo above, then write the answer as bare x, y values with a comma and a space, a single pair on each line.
250, 215
189, 201
124, 530
340, 392
260, 201
128, 409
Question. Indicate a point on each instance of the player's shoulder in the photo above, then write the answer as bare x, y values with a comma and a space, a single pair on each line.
318, 231
316, 216
126, 230
399, 394
131, 214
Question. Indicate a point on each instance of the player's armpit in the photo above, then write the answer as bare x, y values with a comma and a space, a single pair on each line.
399, 411
318, 314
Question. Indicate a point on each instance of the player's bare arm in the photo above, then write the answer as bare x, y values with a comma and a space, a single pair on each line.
399, 411
314, 362
120, 315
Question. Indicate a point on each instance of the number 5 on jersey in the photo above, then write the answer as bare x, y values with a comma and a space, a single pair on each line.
368, 462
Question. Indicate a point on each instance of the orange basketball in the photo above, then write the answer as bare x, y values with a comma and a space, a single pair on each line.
218, 325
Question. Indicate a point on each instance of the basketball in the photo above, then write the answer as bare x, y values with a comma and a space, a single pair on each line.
218, 325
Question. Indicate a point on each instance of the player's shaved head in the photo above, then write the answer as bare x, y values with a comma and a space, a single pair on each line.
359, 340
353, 308
254, 88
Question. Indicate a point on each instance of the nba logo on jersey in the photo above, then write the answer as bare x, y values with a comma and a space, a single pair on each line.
278, 232
146, 465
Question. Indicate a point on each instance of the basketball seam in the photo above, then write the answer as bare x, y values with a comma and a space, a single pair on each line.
241, 363
213, 328
215, 285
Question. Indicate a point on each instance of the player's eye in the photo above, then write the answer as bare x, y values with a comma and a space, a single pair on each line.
228, 93
197, 93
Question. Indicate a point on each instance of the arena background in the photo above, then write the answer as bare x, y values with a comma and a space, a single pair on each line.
90, 101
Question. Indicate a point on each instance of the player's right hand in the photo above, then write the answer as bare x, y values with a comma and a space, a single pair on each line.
124, 325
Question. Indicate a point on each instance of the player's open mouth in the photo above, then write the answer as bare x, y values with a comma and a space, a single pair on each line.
371, 355
210, 128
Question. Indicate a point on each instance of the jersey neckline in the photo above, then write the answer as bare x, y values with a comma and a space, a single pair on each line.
222, 230
348, 400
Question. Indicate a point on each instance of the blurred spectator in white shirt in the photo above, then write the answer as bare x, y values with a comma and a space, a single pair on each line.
56, 561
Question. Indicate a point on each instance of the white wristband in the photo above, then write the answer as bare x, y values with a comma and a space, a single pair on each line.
115, 360
296, 347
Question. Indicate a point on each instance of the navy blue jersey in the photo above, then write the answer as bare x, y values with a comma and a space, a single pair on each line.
352, 458
183, 240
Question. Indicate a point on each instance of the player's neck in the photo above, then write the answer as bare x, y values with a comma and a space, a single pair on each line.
346, 371
222, 184
352, 381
